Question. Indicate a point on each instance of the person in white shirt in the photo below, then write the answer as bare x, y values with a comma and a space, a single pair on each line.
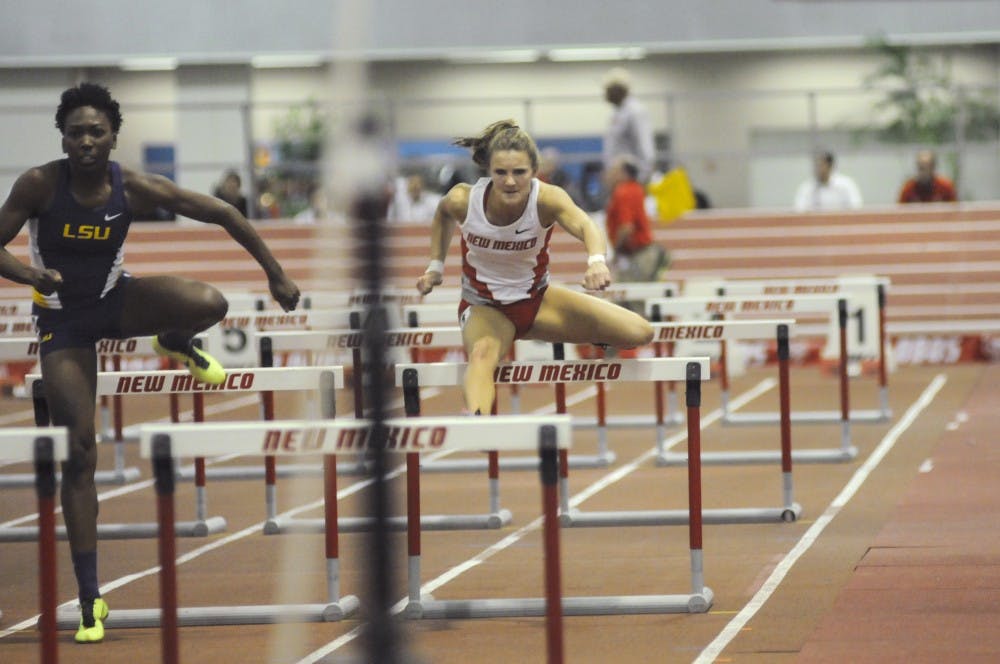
412, 202
629, 132
827, 190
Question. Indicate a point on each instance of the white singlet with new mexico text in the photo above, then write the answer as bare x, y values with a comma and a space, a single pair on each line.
503, 264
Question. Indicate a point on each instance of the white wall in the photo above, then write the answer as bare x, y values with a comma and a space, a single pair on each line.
718, 106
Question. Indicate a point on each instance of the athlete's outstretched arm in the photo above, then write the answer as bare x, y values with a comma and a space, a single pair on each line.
450, 210
23, 202
555, 203
157, 191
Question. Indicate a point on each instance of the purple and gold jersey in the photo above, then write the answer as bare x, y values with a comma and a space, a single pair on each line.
85, 245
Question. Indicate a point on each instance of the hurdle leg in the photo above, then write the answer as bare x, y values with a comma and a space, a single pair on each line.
724, 379
602, 421
120, 474
661, 429
701, 597
846, 450
497, 517
45, 487
414, 608
792, 509
203, 525
337, 607
330, 512
563, 454
270, 466
548, 466
883, 376
164, 473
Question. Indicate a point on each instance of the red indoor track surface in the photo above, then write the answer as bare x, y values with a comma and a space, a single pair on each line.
905, 572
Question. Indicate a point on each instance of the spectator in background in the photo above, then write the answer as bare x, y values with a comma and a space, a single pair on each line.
637, 255
551, 171
229, 190
827, 189
629, 132
317, 210
412, 202
927, 186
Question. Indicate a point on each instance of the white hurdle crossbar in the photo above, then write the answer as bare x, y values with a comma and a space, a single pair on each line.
45, 447
719, 307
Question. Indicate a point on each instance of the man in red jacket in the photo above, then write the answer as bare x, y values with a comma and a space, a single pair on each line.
637, 256
927, 186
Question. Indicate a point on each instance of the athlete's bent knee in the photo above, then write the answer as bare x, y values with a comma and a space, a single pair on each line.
212, 304
81, 465
639, 332
485, 350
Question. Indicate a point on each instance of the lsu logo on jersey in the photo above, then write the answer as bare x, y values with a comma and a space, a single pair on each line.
86, 232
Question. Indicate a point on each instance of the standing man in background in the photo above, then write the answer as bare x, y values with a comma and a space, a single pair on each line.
412, 202
927, 186
827, 190
629, 132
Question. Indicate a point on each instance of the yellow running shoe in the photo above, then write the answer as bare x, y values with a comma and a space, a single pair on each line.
94, 634
202, 366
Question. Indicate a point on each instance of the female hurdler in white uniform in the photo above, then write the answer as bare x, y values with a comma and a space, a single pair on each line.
506, 220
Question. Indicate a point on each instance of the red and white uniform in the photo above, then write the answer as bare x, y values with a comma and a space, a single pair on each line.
503, 264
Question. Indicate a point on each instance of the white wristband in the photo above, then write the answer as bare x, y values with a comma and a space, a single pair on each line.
595, 258
435, 266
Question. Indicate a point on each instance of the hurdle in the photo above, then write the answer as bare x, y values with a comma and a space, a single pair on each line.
496, 517
267, 380
788, 511
26, 348
162, 444
718, 307
514, 373
863, 294
44, 447
181, 382
699, 600
558, 371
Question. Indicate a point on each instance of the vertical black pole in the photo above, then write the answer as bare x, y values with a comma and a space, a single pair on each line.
369, 213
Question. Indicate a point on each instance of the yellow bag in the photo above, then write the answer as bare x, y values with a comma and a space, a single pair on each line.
673, 194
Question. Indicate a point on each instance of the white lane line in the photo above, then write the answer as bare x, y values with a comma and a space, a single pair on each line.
508, 541
926, 467
736, 625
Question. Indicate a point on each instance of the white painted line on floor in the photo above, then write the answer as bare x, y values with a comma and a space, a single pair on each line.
736, 625
926, 467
